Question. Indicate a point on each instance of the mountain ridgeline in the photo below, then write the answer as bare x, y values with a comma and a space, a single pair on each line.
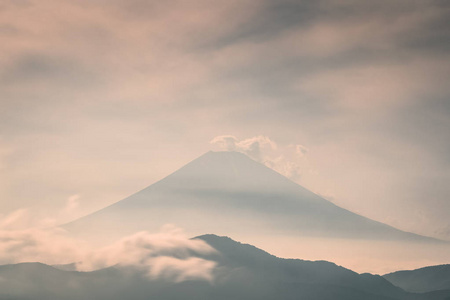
230, 194
242, 272
422, 280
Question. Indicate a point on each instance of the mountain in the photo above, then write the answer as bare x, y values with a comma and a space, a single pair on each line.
230, 194
242, 272
422, 280
266, 267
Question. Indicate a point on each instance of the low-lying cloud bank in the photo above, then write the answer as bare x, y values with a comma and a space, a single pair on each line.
168, 254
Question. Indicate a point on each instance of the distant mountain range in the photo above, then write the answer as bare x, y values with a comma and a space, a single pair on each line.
230, 194
242, 272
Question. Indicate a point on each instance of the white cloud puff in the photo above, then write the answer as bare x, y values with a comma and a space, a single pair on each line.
255, 147
168, 254
286, 160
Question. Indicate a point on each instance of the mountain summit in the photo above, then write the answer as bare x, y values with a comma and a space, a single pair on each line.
230, 194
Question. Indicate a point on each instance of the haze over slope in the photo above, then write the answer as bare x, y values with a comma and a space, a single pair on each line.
229, 193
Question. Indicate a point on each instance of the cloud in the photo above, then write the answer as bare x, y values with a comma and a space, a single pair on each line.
168, 254
16, 219
181, 269
286, 160
24, 218
227, 142
289, 168
255, 147
72, 203
50, 246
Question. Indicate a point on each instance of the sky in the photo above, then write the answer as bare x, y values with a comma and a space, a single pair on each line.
350, 99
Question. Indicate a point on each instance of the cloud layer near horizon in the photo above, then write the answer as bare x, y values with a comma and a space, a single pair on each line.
101, 98
168, 254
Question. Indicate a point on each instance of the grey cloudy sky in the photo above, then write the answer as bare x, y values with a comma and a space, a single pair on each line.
99, 99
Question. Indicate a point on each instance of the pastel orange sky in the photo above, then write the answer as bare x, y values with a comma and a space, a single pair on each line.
99, 99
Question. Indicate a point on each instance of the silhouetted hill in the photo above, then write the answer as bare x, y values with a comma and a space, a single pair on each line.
422, 280
243, 272
311, 272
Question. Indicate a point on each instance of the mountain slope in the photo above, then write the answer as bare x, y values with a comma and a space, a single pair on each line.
229, 193
236, 255
422, 280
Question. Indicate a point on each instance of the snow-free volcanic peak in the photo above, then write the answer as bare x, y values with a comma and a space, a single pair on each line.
230, 194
